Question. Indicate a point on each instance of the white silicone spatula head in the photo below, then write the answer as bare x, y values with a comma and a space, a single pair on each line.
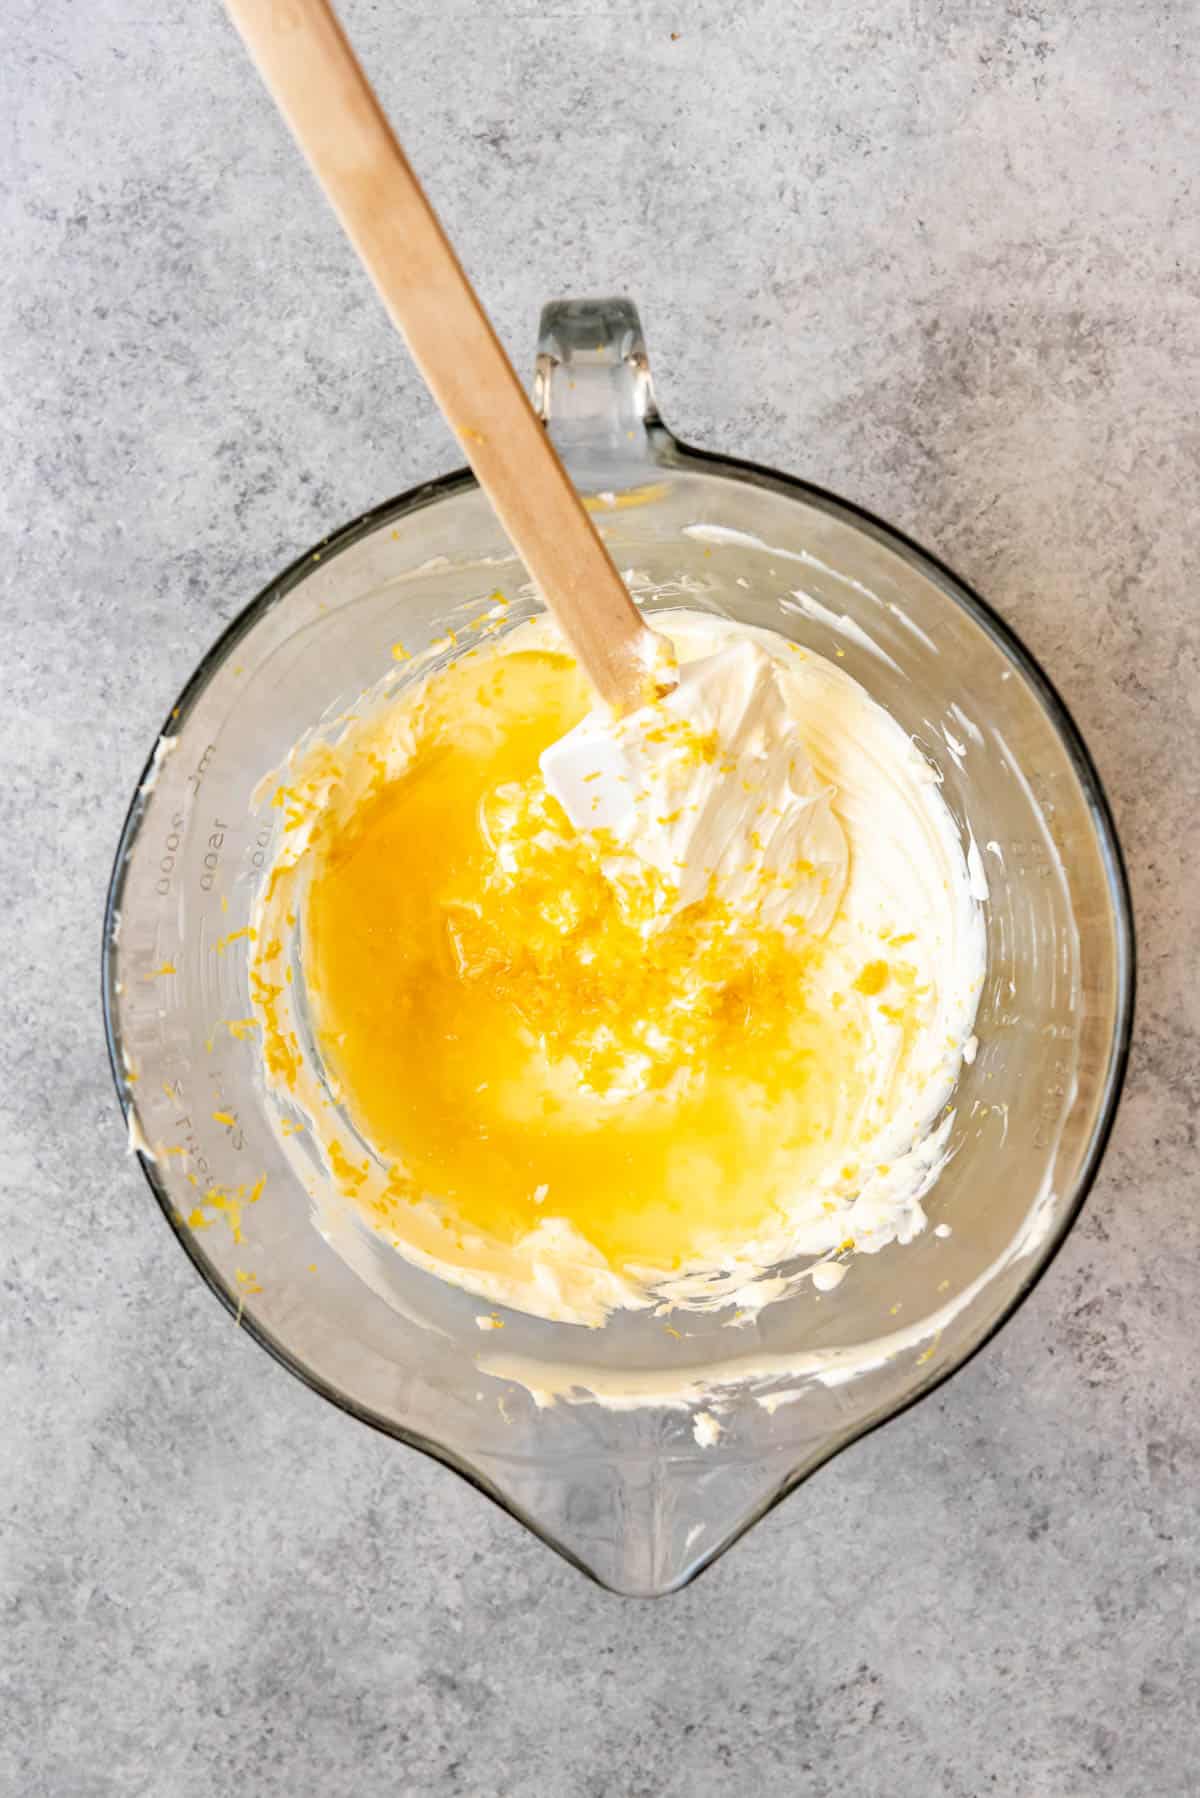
713, 787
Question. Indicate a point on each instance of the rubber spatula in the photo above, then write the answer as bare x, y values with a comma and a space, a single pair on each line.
315, 78
734, 812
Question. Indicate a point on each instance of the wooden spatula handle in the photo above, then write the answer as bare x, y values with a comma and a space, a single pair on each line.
315, 78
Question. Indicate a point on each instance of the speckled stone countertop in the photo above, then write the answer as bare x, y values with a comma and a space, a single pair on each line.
941, 258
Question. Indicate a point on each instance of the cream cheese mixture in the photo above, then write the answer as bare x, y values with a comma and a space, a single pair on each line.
713, 787
577, 1066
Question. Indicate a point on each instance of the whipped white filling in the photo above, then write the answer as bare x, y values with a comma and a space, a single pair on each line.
712, 786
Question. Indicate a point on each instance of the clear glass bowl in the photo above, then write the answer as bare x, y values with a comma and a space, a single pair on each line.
622, 1488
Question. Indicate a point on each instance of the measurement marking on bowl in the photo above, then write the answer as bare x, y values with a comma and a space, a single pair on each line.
183, 1126
212, 855
168, 859
196, 777
262, 842
1050, 1106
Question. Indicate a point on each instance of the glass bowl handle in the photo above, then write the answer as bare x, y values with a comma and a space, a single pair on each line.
592, 386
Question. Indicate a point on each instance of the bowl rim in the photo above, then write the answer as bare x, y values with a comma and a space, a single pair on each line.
673, 456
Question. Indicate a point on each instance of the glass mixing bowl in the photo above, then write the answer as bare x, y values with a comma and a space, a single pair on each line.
611, 1473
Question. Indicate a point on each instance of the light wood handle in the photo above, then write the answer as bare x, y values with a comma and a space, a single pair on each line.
307, 63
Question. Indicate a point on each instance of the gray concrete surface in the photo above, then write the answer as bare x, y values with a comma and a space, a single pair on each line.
941, 257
